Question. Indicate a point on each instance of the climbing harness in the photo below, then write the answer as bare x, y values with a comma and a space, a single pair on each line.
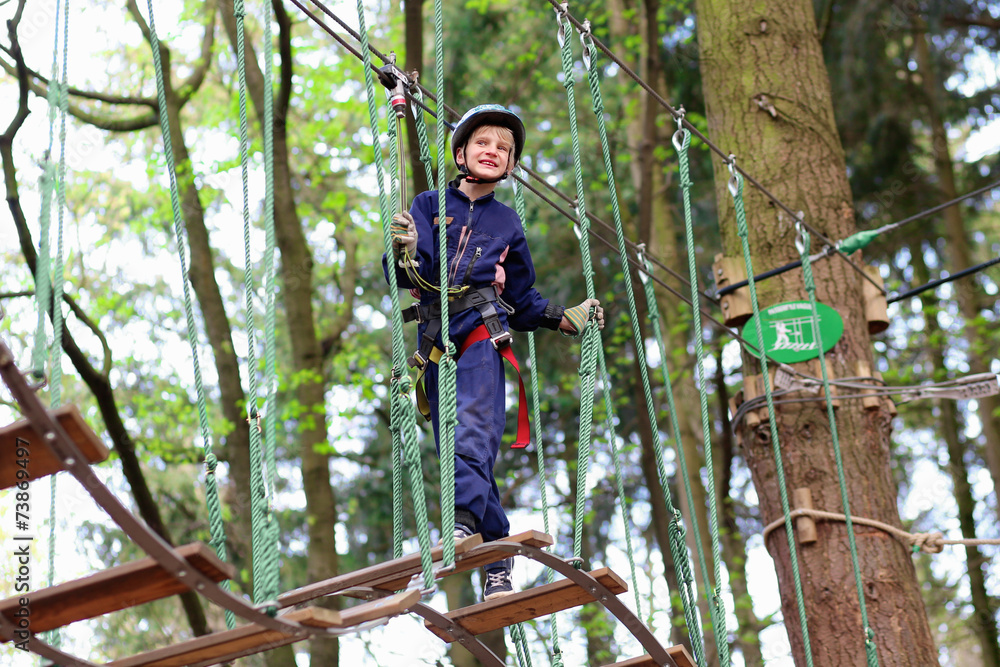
482, 299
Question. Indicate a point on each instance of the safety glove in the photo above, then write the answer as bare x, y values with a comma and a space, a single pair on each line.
575, 318
404, 233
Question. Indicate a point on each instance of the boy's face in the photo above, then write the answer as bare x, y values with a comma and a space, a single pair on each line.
487, 154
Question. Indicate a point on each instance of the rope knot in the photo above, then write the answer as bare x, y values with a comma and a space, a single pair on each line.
932, 543
210, 463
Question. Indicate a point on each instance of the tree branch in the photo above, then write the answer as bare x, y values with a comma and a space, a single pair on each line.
983, 21
7, 139
140, 122
283, 99
93, 95
193, 83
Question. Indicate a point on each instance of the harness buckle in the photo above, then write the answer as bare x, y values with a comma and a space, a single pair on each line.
502, 340
413, 313
417, 361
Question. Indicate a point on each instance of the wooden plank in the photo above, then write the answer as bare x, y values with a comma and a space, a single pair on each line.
221, 644
526, 605
251, 639
399, 568
678, 653
41, 460
469, 561
117, 588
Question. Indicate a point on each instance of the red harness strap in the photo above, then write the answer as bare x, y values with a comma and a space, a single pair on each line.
523, 430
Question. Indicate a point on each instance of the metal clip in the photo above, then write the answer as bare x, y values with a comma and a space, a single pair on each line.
735, 179
587, 38
561, 11
640, 258
801, 237
396, 82
681, 133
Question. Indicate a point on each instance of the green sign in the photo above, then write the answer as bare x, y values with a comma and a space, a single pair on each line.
789, 335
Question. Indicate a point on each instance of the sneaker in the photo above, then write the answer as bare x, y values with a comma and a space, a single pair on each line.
498, 583
462, 531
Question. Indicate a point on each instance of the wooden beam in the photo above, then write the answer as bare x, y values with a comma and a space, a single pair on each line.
252, 639
117, 588
40, 460
399, 569
678, 653
526, 605
470, 560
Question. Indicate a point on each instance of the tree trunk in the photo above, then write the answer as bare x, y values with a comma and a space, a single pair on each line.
414, 12
983, 623
768, 100
959, 253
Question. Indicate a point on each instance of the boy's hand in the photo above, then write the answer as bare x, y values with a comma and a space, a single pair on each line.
575, 318
404, 232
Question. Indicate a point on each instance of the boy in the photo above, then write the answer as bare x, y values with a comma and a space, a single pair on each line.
490, 288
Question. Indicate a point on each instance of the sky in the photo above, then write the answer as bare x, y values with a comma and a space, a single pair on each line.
94, 25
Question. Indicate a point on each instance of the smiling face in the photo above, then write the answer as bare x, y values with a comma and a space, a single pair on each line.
487, 154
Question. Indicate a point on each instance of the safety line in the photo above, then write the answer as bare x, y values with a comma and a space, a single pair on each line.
728, 158
947, 279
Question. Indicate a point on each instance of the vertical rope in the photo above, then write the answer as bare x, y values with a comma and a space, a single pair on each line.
736, 190
401, 407
258, 495
421, 125
521, 644
536, 413
272, 418
717, 606
802, 242
58, 324
211, 485
685, 578
593, 78
447, 367
591, 334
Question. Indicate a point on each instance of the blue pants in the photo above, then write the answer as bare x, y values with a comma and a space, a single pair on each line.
481, 418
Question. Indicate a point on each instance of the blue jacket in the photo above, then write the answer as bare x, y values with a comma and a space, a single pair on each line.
486, 246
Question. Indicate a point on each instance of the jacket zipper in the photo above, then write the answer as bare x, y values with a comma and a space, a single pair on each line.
472, 262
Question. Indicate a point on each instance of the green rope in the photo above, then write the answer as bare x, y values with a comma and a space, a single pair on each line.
421, 125
593, 78
58, 324
265, 574
521, 644
717, 607
211, 487
395, 406
810, 283
685, 577
736, 189
397, 459
537, 434
591, 334
271, 414
447, 366
401, 407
